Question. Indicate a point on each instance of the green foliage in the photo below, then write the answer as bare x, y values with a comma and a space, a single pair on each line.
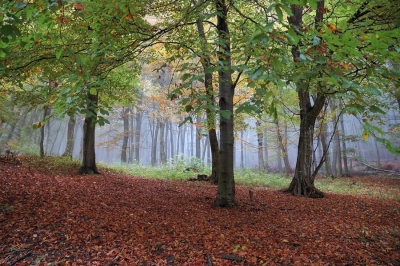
7, 207
25, 145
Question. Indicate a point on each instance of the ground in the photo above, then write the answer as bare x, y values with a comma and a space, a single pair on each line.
57, 217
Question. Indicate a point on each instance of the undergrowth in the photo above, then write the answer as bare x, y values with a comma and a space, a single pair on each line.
182, 170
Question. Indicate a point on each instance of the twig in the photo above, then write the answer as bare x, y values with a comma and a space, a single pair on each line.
209, 260
230, 257
21, 257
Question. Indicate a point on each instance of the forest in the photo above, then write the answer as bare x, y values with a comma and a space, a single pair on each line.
118, 110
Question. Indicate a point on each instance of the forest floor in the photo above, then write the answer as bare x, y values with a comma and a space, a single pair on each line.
52, 216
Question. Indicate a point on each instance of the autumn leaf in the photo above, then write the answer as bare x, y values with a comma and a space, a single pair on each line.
79, 6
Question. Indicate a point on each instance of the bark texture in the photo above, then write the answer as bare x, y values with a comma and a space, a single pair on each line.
226, 183
302, 183
70, 137
210, 119
89, 132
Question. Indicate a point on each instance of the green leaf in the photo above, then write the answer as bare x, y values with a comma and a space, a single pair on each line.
59, 53
279, 13
313, 4
225, 114
376, 109
292, 37
185, 76
93, 91
104, 111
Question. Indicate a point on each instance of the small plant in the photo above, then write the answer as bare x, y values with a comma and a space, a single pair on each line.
238, 247
7, 207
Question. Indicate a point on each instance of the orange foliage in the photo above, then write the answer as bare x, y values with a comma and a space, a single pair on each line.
79, 6
51, 213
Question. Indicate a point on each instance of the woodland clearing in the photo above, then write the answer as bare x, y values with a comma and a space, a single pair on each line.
53, 216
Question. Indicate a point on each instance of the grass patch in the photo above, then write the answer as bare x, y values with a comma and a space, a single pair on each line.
182, 170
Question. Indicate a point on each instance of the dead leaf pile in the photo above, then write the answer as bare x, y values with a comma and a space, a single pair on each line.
57, 218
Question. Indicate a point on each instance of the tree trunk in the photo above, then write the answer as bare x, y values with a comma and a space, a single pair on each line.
344, 149
163, 157
89, 138
282, 147
137, 133
198, 138
42, 148
70, 137
266, 154
302, 183
210, 113
260, 146
226, 183
242, 149
125, 137
154, 143
325, 148
171, 139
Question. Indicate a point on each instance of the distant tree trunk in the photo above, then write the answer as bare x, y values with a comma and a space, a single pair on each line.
282, 147
397, 93
337, 157
13, 122
279, 152
204, 151
125, 137
260, 150
137, 133
171, 139
226, 183
325, 148
242, 149
378, 155
344, 149
266, 155
154, 143
303, 180
70, 136
178, 140
163, 157
192, 141
210, 113
183, 137
42, 149
89, 136
198, 138
22, 122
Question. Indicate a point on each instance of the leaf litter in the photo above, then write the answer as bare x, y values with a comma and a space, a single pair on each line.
61, 218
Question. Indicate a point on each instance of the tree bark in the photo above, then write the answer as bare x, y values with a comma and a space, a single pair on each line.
302, 183
260, 150
154, 143
171, 139
42, 148
344, 149
210, 119
163, 157
70, 137
283, 148
266, 154
89, 138
241, 149
325, 148
137, 133
226, 183
125, 137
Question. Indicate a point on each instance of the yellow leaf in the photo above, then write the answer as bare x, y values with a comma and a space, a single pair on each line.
365, 135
